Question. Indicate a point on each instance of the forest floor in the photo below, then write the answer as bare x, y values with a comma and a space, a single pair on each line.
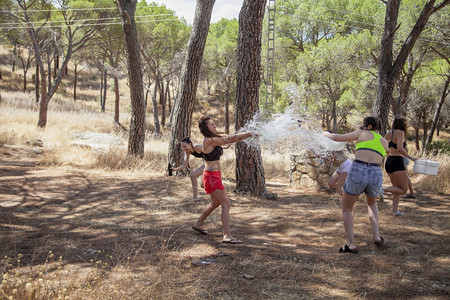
128, 235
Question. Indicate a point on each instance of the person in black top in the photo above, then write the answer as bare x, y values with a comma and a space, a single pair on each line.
196, 151
395, 165
212, 151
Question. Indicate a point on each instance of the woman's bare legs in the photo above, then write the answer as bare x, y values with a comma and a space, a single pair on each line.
218, 197
207, 210
372, 208
337, 181
194, 175
348, 201
399, 180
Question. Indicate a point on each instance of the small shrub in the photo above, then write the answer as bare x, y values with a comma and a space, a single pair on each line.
8, 137
440, 146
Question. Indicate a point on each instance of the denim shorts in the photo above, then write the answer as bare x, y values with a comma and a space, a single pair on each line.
363, 178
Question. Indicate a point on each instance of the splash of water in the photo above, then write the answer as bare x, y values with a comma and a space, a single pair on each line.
290, 132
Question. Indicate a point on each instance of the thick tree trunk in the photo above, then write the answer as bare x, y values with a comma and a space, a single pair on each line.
249, 166
184, 102
127, 10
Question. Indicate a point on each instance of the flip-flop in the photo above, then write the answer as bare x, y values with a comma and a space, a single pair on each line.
379, 243
232, 241
202, 231
410, 196
346, 249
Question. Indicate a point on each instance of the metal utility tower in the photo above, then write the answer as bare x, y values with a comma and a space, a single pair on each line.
268, 107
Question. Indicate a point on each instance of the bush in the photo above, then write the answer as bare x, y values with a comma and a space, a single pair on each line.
439, 147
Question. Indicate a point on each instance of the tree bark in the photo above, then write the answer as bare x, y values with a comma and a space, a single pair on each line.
249, 166
181, 118
127, 9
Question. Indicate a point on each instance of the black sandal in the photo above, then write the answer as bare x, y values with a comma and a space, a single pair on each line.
346, 249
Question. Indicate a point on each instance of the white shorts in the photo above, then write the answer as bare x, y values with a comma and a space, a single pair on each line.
345, 167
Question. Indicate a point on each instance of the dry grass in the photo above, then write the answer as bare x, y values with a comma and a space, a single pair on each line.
117, 228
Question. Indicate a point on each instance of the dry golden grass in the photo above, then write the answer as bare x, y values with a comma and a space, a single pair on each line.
117, 228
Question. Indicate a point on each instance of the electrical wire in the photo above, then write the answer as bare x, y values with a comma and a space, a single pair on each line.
76, 9
84, 20
92, 24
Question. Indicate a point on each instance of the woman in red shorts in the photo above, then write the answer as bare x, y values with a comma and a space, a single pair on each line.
212, 150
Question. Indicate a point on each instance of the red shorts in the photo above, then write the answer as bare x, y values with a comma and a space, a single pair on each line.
212, 181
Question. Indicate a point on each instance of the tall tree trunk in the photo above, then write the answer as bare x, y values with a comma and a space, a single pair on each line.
100, 96
75, 75
55, 65
117, 100
227, 104
249, 166
127, 9
184, 102
105, 86
162, 100
49, 75
389, 69
36, 83
155, 108
437, 113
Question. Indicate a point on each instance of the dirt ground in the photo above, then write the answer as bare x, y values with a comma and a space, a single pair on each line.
141, 225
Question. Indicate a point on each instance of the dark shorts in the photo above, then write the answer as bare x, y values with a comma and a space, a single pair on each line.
394, 163
364, 178
212, 181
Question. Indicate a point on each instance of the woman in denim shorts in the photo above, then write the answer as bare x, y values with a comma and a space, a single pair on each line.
365, 175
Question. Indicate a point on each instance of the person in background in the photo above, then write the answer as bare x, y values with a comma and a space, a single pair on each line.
196, 151
365, 175
411, 194
337, 180
212, 180
395, 165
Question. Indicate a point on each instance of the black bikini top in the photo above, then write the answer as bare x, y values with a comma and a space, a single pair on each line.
215, 154
394, 145
196, 154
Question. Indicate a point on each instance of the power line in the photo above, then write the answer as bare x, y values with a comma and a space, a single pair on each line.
83, 20
75, 9
92, 24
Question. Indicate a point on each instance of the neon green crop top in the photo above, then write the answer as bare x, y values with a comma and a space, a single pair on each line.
373, 145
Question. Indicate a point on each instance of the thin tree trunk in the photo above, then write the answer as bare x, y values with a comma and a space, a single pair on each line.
36, 83
75, 83
155, 108
117, 99
437, 113
105, 87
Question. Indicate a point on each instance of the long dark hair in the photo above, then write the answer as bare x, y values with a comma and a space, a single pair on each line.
203, 126
399, 123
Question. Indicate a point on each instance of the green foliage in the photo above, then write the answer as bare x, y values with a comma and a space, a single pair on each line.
440, 146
